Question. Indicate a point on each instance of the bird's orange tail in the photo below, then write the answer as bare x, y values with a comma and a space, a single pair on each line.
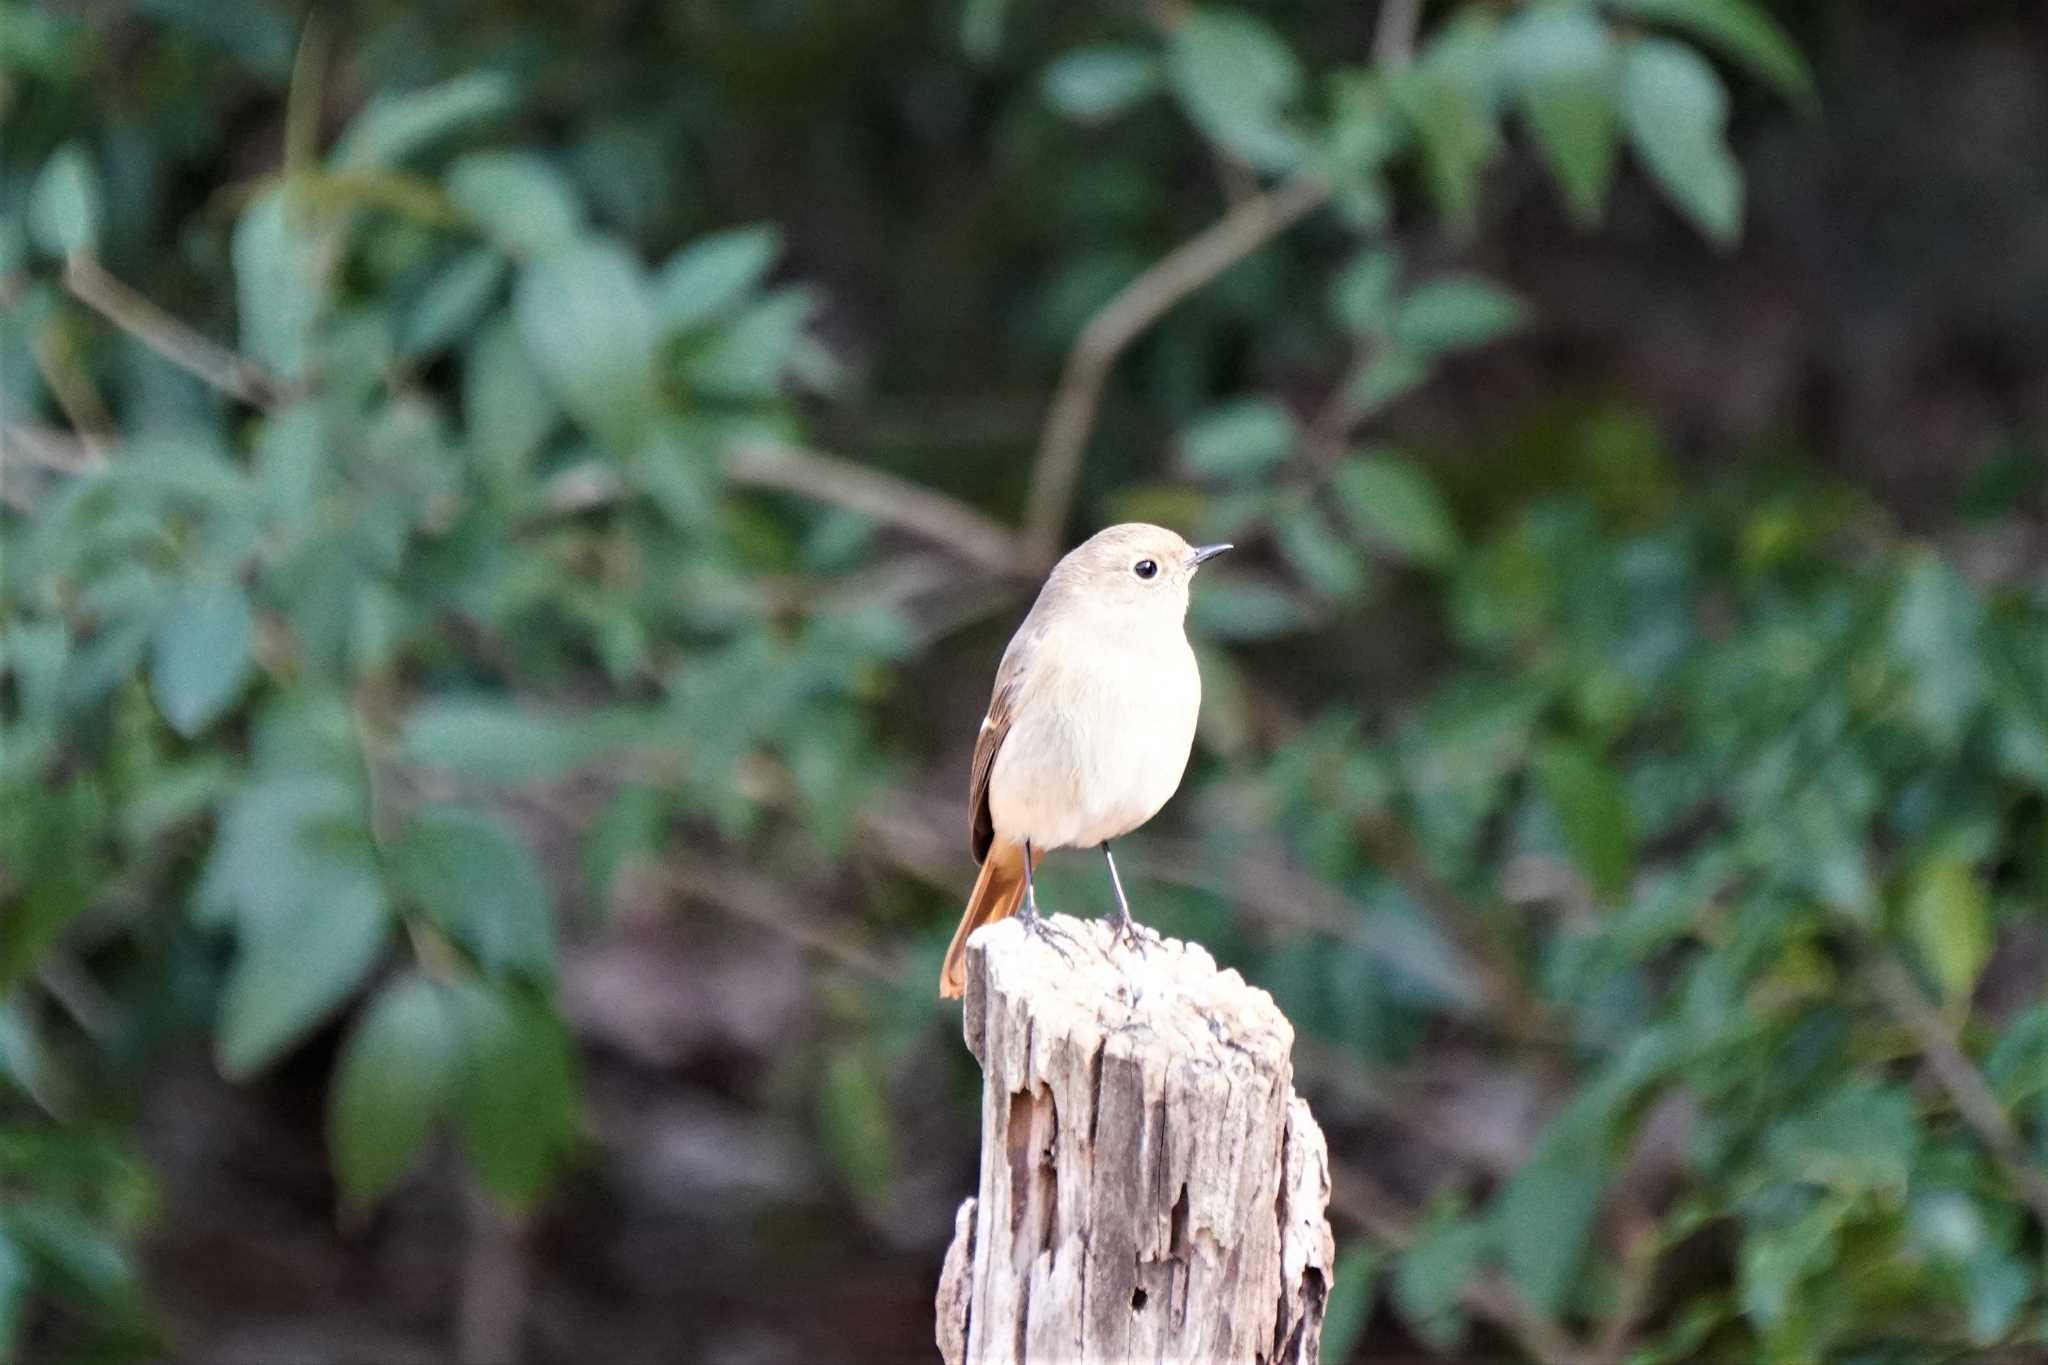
998, 891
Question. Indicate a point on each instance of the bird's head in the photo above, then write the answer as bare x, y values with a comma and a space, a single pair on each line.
1133, 568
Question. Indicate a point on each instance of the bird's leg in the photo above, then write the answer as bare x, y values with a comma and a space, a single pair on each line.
1128, 930
1036, 924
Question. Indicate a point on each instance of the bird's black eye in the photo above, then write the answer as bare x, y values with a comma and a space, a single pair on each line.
1145, 568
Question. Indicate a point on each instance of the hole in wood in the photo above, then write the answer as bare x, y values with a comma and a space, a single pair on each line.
1137, 1300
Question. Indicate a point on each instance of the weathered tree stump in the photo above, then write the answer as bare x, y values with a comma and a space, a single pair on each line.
1151, 1187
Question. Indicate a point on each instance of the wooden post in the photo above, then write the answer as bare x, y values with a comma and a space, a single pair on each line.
1151, 1188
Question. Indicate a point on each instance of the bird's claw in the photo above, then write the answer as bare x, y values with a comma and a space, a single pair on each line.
1039, 927
1134, 935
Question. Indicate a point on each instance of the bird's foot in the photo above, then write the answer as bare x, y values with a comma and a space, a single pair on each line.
1043, 929
1132, 934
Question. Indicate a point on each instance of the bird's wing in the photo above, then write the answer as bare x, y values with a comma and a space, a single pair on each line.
994, 728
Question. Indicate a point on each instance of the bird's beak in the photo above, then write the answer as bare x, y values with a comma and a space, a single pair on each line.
1205, 553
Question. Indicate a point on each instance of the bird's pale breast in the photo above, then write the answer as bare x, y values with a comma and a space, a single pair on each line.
1099, 738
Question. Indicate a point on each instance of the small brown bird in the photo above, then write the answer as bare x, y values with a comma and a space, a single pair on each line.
1090, 726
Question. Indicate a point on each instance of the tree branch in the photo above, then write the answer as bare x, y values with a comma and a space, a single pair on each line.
1959, 1078
213, 365
1136, 307
757, 900
58, 363
497, 1276
1393, 37
880, 497
829, 479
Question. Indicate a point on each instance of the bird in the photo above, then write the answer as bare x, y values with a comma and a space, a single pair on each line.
1089, 727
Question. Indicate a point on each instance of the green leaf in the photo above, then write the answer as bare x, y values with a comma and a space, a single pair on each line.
1999, 1287
449, 304
71, 1257
1362, 295
1935, 630
276, 286
177, 794
1592, 813
519, 200
16, 1279
396, 127
480, 884
853, 1115
1238, 439
516, 1104
1241, 606
199, 656
632, 826
34, 653
1235, 78
251, 32
1545, 1211
1947, 913
297, 961
1390, 504
1430, 1279
2017, 1065
397, 1070
1860, 1137
748, 357
586, 315
678, 471
1319, 555
292, 462
1740, 30
1776, 1259
275, 847
709, 278
508, 409
1095, 84
1676, 113
1562, 64
64, 210
1389, 372
1362, 135
1447, 97
1456, 312
495, 740
59, 831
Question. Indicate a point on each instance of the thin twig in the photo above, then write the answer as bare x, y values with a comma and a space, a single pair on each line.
828, 479
1959, 1078
66, 980
1393, 38
880, 497
49, 448
1616, 1339
1136, 307
760, 901
73, 391
1330, 431
490, 1313
212, 364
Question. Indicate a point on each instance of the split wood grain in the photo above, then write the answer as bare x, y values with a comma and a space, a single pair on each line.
1151, 1187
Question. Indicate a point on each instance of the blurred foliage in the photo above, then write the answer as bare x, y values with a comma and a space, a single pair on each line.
448, 518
